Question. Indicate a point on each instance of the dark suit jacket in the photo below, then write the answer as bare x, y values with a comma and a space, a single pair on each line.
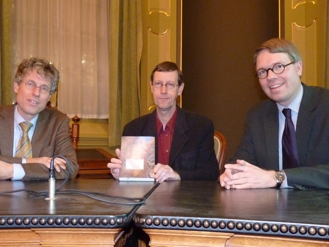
259, 145
51, 137
192, 153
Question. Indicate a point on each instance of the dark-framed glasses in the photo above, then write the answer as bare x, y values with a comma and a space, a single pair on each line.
168, 85
31, 86
277, 68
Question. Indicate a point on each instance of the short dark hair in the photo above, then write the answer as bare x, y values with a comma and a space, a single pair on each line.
168, 66
42, 66
277, 45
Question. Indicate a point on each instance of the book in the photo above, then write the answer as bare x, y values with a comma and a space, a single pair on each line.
138, 158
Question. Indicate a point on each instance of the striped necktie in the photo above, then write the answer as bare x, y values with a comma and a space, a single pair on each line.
24, 147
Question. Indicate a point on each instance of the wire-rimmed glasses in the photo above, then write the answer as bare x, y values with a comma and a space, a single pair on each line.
168, 85
31, 86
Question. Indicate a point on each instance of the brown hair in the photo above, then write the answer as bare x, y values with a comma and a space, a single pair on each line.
277, 45
42, 66
168, 66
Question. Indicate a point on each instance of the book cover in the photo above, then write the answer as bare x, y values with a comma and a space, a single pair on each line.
138, 158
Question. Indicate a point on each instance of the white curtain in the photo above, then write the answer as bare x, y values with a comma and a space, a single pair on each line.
73, 35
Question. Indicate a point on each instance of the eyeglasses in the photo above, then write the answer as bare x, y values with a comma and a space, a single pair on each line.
31, 86
168, 85
278, 68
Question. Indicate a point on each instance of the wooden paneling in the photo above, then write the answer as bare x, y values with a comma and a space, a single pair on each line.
161, 42
60, 237
186, 238
258, 241
174, 238
304, 22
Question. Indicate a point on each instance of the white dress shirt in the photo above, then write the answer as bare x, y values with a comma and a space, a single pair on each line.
19, 172
294, 106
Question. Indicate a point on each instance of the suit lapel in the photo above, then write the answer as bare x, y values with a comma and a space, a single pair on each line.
150, 130
305, 120
39, 133
179, 138
271, 129
7, 130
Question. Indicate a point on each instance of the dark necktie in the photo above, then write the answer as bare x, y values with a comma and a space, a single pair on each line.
289, 143
24, 147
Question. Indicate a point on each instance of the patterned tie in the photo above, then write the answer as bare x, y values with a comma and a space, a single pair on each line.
289, 143
24, 147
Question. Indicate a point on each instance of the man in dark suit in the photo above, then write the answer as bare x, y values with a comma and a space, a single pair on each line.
35, 81
261, 160
184, 140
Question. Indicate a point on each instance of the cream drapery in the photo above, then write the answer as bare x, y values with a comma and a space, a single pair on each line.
6, 92
125, 49
73, 35
125, 58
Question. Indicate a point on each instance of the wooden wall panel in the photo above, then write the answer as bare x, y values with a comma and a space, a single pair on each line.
161, 41
304, 22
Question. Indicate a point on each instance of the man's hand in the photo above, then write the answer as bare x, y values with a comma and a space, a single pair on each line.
115, 164
160, 172
59, 163
6, 170
164, 172
244, 175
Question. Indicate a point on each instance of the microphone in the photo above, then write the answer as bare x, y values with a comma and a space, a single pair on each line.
52, 181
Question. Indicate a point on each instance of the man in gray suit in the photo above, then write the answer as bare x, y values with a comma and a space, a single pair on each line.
260, 159
35, 81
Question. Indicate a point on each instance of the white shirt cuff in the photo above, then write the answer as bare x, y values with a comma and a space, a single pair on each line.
19, 172
285, 182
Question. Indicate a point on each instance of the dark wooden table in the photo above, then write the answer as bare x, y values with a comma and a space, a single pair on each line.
196, 213
70, 219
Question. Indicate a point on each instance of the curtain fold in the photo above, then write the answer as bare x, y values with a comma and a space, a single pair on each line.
73, 35
6, 92
125, 58
124, 54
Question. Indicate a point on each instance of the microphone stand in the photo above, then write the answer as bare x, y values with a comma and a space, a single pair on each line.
52, 181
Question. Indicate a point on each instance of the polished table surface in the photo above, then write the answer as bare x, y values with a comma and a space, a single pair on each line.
205, 206
25, 210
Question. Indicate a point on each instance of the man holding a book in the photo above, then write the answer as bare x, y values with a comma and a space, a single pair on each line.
184, 141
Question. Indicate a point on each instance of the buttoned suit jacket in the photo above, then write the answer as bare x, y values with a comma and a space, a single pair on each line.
192, 153
259, 145
51, 137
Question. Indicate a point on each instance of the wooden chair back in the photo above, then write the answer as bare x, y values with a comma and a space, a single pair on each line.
220, 146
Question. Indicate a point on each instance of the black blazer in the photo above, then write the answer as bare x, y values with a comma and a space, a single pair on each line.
192, 153
259, 145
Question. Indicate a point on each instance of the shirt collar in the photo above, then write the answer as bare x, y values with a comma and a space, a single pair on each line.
170, 125
295, 104
18, 118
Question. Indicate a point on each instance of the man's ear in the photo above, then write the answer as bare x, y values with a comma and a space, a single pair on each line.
180, 89
151, 86
16, 86
299, 66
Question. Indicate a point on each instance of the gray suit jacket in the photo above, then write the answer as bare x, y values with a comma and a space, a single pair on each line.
51, 137
192, 153
259, 145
